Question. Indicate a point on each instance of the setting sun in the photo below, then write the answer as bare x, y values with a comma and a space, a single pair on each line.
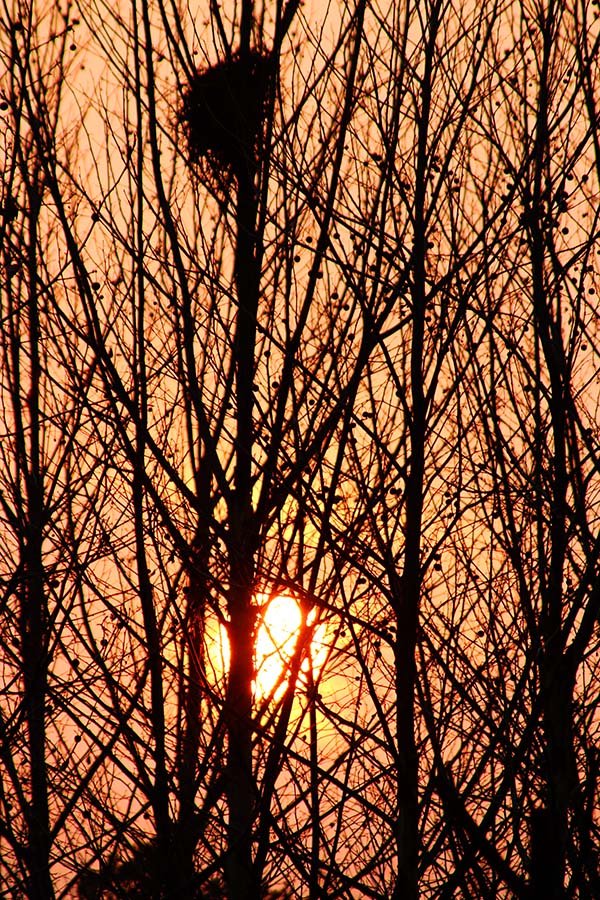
276, 643
278, 631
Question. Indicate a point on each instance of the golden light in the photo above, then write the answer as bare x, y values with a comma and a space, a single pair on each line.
276, 642
278, 631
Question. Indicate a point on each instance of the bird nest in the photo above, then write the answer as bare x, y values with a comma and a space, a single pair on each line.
223, 112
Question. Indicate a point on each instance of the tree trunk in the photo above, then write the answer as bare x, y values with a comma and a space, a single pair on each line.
241, 790
549, 825
33, 636
34, 612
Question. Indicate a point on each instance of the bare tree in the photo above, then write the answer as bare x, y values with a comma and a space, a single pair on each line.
286, 313
529, 581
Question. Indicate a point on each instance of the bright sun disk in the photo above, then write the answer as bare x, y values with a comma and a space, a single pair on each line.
276, 640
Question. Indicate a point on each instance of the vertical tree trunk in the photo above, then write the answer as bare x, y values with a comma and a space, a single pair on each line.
185, 835
407, 615
550, 825
34, 648
407, 612
34, 613
241, 790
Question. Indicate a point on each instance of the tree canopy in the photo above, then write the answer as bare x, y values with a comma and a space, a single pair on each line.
299, 325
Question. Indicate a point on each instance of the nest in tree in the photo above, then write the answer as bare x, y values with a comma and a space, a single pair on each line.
223, 111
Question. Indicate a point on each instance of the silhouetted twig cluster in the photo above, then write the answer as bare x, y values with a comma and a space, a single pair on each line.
223, 110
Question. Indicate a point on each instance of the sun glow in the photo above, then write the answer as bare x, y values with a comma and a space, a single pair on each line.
279, 629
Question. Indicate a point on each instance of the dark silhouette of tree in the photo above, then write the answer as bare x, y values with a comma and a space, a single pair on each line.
299, 301
138, 877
